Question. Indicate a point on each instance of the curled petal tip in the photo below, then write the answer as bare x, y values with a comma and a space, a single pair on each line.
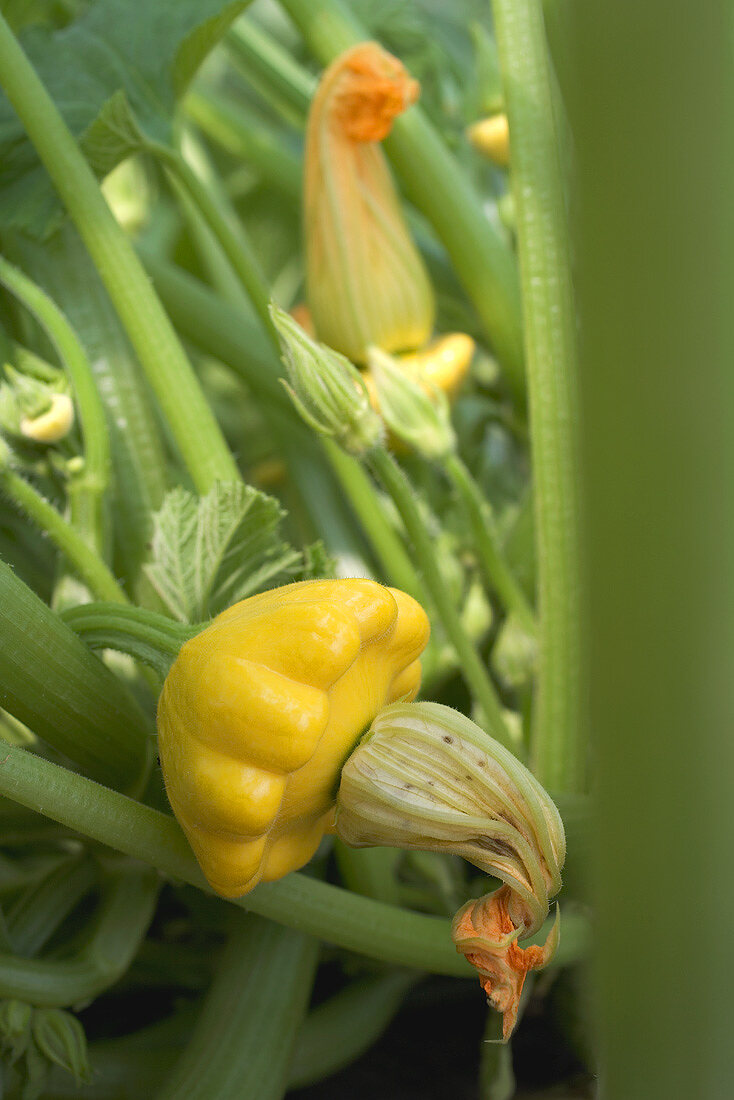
484, 932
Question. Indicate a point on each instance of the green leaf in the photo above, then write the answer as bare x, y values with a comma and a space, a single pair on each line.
208, 552
317, 562
115, 74
112, 136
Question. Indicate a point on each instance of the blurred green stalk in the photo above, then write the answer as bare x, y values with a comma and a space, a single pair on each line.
559, 743
651, 103
242, 1043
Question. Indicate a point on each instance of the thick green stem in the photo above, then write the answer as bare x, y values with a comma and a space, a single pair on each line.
241, 1045
473, 668
332, 1036
497, 574
216, 328
316, 908
271, 69
559, 753
125, 914
36, 915
50, 681
82, 558
653, 223
89, 487
434, 182
145, 635
192, 423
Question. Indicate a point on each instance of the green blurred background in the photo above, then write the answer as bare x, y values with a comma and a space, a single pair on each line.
650, 92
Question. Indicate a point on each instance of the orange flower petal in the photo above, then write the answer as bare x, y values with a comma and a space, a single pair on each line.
485, 932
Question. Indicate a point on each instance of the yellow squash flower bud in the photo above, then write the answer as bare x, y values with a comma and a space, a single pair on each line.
53, 424
416, 414
491, 136
366, 282
260, 710
444, 363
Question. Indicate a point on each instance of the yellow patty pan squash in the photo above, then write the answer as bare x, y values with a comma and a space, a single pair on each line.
261, 709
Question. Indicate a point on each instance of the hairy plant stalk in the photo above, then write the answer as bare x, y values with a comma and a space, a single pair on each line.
87, 490
559, 743
298, 901
192, 422
241, 1045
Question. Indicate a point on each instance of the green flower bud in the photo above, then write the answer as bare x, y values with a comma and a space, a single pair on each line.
327, 389
15, 1028
515, 653
60, 1038
425, 776
420, 420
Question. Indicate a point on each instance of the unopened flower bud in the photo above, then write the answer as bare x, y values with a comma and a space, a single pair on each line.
366, 283
491, 136
53, 424
60, 1038
420, 420
425, 776
515, 653
327, 389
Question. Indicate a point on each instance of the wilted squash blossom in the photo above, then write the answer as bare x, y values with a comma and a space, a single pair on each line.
260, 710
366, 282
425, 776
485, 932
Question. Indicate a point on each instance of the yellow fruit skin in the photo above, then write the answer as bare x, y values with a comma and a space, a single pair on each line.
261, 709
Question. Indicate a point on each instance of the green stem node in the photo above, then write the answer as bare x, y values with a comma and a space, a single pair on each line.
145, 635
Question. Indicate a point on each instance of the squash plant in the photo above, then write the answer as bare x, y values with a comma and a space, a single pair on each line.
290, 380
